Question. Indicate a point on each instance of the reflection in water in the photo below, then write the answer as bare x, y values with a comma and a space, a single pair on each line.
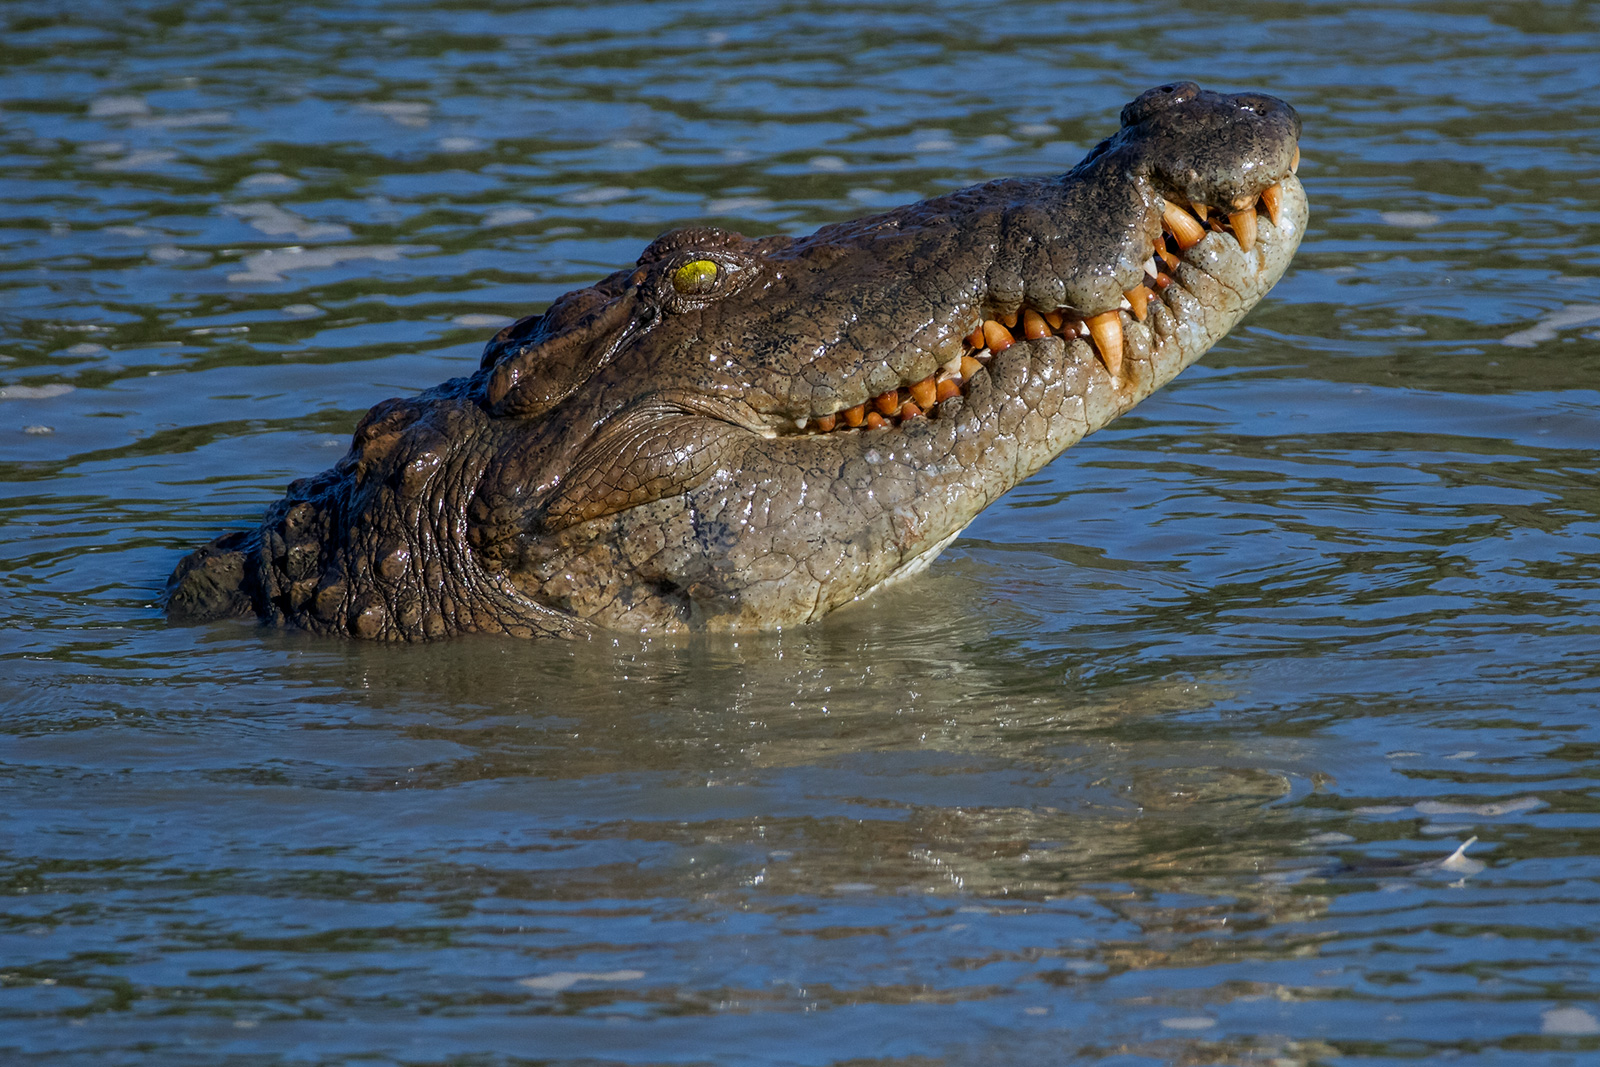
1168, 759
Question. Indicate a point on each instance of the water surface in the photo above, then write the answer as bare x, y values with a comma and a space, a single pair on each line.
1168, 759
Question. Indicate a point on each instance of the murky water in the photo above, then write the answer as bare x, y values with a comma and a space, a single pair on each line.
1168, 759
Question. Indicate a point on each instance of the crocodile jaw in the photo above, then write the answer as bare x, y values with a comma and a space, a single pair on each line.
654, 452
752, 547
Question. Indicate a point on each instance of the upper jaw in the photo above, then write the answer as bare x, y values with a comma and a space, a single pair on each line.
1230, 246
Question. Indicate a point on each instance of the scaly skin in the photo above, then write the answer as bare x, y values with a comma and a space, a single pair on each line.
673, 448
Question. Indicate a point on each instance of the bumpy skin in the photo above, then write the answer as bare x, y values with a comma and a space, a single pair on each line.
638, 457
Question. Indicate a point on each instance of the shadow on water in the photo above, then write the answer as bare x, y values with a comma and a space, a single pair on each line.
897, 811
918, 814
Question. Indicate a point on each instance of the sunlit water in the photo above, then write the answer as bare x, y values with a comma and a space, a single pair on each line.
1168, 759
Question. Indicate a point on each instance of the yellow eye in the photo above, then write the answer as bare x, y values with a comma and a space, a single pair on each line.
698, 277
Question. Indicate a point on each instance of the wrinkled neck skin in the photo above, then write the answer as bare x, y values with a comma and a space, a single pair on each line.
742, 434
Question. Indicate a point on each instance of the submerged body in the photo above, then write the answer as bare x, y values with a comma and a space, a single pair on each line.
748, 433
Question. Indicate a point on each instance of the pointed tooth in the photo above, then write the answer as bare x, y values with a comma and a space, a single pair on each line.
952, 365
910, 410
854, 416
1054, 319
975, 338
1033, 325
1294, 164
925, 393
1139, 300
1272, 200
875, 421
996, 337
1150, 266
1182, 225
1106, 330
826, 423
1163, 279
887, 402
947, 389
1200, 210
1167, 257
1008, 320
800, 423
969, 367
1244, 227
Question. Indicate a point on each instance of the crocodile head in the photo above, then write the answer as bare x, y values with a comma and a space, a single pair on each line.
744, 433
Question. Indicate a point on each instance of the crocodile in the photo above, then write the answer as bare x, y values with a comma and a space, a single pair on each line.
747, 433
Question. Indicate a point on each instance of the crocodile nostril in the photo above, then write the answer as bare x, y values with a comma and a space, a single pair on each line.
1161, 98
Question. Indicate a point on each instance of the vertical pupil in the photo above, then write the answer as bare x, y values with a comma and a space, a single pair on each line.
696, 277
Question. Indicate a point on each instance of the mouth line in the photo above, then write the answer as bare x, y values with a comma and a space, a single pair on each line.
1184, 224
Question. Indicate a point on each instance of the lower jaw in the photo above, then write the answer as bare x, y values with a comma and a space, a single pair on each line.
1073, 392
1030, 403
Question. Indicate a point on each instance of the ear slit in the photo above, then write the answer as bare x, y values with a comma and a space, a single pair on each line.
532, 380
509, 338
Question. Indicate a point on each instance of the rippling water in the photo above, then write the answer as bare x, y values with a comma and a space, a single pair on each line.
1169, 759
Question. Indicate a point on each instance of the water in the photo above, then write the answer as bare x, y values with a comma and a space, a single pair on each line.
1167, 760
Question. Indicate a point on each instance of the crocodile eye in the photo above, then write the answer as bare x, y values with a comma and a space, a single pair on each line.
698, 277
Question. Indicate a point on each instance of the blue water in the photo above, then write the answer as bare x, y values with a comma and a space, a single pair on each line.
1167, 760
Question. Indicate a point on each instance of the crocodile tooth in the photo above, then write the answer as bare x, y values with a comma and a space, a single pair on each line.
1244, 227
1150, 266
1139, 301
947, 388
1033, 325
975, 338
1008, 320
1183, 226
800, 423
875, 421
1106, 329
1055, 319
952, 366
825, 423
969, 367
887, 402
910, 410
1272, 200
854, 416
1294, 164
1167, 257
1200, 210
925, 393
996, 337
